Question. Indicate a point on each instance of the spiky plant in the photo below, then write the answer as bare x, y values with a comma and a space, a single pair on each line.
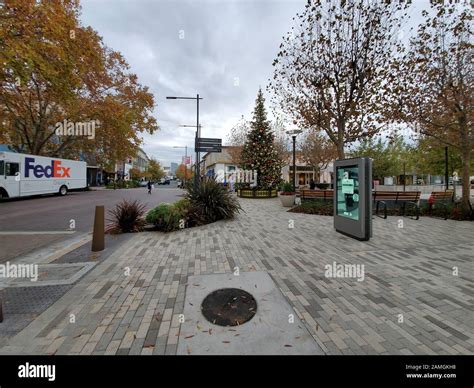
211, 201
127, 217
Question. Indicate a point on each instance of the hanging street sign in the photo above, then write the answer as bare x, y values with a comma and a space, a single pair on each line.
208, 145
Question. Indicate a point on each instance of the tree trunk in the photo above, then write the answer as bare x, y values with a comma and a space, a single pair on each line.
466, 172
340, 150
341, 126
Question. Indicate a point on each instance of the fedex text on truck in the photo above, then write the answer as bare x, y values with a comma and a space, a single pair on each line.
54, 170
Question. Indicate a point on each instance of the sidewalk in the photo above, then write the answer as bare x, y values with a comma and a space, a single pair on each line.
131, 302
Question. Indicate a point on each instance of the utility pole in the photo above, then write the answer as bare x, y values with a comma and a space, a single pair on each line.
198, 133
293, 133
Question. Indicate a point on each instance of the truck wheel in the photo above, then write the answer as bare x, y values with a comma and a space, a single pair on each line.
63, 190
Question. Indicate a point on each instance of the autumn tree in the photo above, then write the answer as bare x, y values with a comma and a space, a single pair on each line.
282, 141
134, 173
332, 67
317, 151
54, 69
430, 157
184, 173
390, 157
435, 85
154, 170
236, 139
259, 152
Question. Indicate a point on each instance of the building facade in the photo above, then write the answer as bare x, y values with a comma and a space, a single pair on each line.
219, 164
173, 168
141, 161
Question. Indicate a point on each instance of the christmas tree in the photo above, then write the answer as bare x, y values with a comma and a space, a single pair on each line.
259, 152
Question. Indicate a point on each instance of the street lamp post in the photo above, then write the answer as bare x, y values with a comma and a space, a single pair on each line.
404, 176
293, 133
185, 160
198, 132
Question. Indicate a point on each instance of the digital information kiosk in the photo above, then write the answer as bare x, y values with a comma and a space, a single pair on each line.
353, 197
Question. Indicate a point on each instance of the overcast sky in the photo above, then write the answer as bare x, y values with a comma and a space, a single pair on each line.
221, 49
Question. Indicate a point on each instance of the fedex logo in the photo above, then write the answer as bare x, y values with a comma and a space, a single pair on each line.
55, 170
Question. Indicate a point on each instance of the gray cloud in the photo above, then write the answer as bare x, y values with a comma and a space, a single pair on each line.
224, 42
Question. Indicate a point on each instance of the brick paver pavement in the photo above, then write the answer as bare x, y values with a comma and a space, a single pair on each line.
411, 301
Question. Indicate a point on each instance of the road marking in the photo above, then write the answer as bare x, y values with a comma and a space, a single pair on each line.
38, 232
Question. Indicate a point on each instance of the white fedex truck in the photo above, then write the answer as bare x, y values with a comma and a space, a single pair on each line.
22, 175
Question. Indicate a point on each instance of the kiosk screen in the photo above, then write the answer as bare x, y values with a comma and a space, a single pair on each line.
347, 191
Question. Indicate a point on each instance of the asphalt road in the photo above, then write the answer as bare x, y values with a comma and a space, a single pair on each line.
24, 221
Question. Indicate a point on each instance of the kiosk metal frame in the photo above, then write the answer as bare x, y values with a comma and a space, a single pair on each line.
353, 197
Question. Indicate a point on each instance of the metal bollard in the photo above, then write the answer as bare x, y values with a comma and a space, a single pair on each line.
98, 239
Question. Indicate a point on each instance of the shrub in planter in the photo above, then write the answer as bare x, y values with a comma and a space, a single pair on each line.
168, 217
323, 208
127, 217
455, 211
286, 189
462, 213
287, 195
210, 202
158, 215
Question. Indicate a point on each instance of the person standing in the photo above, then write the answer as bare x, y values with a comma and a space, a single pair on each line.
149, 187
312, 185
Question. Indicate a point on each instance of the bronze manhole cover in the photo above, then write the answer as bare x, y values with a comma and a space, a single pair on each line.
229, 307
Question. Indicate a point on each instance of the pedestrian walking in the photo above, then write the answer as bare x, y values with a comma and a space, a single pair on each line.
149, 185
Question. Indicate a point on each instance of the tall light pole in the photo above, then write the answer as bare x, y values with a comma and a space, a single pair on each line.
185, 160
293, 133
198, 132
404, 176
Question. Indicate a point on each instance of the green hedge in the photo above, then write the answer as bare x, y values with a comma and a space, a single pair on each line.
168, 217
323, 208
123, 185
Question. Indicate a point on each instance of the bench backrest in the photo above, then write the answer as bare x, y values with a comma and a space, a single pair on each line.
317, 194
446, 195
396, 196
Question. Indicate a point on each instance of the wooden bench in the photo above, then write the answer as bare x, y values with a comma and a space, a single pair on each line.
402, 198
309, 195
441, 198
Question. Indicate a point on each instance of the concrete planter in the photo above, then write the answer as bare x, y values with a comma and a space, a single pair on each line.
287, 200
